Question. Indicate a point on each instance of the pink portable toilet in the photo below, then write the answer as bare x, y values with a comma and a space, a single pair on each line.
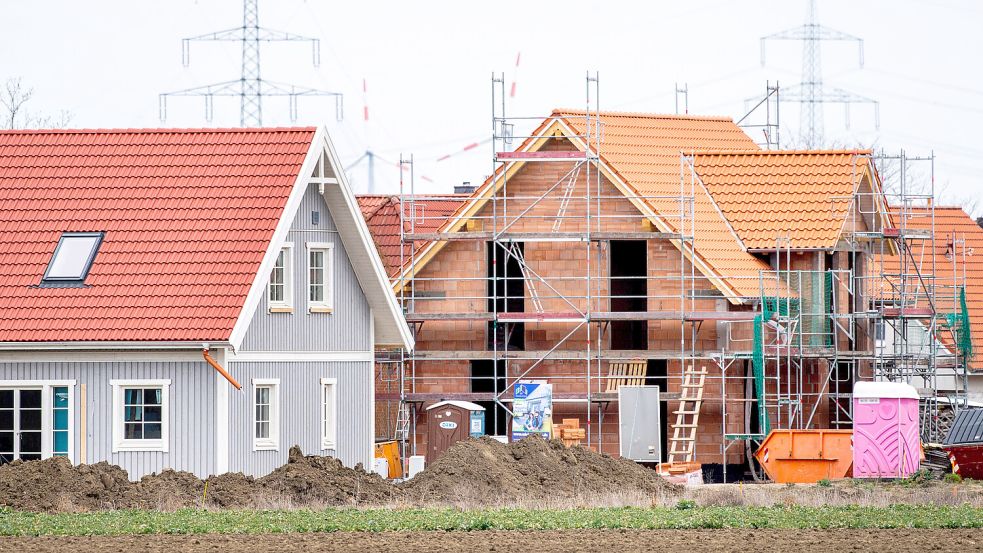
885, 430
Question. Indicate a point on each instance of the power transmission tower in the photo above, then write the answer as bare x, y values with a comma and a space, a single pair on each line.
810, 93
250, 87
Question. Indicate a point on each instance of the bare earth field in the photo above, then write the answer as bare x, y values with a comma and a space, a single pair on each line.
895, 541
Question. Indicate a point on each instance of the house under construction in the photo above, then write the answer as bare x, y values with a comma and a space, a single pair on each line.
752, 287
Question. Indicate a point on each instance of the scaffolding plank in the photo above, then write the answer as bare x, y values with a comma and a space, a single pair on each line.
421, 317
533, 317
425, 397
541, 236
907, 312
561, 354
673, 315
541, 156
907, 233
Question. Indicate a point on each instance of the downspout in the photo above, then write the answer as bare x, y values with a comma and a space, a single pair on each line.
221, 371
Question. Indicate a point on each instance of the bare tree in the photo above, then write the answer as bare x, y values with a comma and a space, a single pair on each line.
14, 98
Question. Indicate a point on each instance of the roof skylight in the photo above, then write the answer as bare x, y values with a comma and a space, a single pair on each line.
73, 257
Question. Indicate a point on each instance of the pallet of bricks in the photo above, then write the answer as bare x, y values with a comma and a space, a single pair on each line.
570, 432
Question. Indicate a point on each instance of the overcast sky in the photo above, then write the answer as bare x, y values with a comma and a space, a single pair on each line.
428, 66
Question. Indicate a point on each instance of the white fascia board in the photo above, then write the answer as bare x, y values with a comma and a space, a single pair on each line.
375, 285
110, 346
88, 356
300, 356
258, 287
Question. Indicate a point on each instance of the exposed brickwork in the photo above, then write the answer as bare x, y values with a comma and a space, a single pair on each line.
456, 281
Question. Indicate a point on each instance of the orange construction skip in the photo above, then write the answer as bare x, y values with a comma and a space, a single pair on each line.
806, 456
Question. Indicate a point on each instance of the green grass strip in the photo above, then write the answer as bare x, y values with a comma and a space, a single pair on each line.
16, 523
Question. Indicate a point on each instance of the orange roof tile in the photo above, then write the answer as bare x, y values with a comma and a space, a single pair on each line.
644, 151
952, 222
804, 195
381, 213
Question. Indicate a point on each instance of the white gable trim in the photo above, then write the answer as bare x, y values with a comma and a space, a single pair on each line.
258, 287
389, 325
391, 328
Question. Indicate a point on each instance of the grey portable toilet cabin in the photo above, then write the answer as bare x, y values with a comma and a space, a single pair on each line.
449, 422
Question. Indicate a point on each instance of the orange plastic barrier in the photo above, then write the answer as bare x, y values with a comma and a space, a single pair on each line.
806, 456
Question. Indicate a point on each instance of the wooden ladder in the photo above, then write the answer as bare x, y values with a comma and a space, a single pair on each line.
683, 442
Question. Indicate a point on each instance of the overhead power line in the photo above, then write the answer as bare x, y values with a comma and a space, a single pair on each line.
250, 87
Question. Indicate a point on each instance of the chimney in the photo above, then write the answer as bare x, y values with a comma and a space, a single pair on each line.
464, 188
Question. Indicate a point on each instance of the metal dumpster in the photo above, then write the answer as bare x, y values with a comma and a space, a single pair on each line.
964, 444
806, 456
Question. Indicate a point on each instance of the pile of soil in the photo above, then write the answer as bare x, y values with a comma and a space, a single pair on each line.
477, 472
486, 471
55, 485
313, 479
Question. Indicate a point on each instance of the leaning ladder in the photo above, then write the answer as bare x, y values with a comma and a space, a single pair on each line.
527, 276
683, 441
568, 189
402, 421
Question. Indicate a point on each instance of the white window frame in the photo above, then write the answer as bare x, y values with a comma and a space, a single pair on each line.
119, 442
47, 420
287, 305
327, 305
329, 414
272, 443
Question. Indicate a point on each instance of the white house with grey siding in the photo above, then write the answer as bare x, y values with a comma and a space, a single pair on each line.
193, 299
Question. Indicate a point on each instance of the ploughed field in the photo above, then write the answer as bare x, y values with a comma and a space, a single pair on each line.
899, 541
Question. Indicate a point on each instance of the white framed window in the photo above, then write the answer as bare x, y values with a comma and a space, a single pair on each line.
37, 419
140, 415
329, 413
266, 414
320, 277
280, 294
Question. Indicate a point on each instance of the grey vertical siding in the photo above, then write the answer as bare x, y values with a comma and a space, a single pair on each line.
347, 329
191, 412
300, 415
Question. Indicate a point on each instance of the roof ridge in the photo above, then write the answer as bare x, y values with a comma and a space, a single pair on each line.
858, 151
160, 130
638, 114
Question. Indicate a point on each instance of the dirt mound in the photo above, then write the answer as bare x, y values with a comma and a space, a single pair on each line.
56, 485
167, 491
489, 472
314, 479
234, 490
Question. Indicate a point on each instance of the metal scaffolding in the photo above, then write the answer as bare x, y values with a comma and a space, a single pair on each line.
794, 355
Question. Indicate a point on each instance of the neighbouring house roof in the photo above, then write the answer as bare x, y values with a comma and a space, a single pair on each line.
188, 217
381, 213
805, 196
951, 223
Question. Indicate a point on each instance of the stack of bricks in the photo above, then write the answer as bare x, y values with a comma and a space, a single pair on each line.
570, 432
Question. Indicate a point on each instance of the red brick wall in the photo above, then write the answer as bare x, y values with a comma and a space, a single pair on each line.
460, 269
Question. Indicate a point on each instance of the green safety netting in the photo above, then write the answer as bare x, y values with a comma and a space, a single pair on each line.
959, 323
758, 365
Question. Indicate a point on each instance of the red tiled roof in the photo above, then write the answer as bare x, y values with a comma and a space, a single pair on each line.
187, 216
804, 195
950, 222
381, 214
